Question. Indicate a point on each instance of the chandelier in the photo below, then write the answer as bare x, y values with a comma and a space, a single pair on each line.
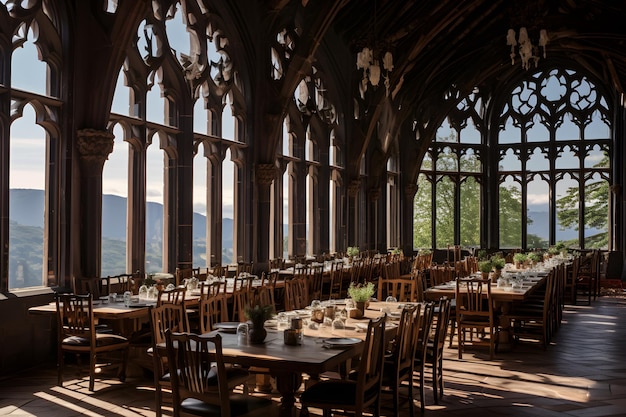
527, 51
368, 61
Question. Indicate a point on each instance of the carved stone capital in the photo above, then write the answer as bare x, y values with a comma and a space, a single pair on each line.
265, 174
353, 188
410, 190
374, 194
94, 145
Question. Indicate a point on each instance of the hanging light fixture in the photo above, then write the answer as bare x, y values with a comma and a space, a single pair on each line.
527, 51
369, 60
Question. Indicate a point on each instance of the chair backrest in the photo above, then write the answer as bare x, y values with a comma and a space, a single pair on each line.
75, 317
244, 267
315, 278
270, 278
441, 273
219, 271
392, 270
182, 274
173, 296
243, 282
402, 289
242, 299
212, 310
473, 297
424, 332
117, 284
167, 316
296, 294
420, 284
405, 341
194, 361
369, 377
336, 280
212, 289
442, 312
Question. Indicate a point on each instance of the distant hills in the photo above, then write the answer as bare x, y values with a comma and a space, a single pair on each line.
26, 208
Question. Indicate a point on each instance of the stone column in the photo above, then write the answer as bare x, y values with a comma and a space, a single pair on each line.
353, 213
406, 221
264, 174
94, 147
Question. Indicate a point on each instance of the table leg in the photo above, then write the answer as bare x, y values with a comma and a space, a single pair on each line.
287, 384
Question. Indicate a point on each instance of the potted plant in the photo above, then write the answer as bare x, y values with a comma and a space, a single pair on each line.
520, 258
485, 268
257, 315
498, 264
360, 294
352, 251
535, 257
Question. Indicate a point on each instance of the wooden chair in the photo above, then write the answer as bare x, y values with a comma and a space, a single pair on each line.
182, 274
76, 334
212, 289
588, 277
173, 296
402, 289
212, 310
315, 278
425, 325
536, 321
219, 271
296, 296
440, 274
335, 287
475, 314
242, 299
435, 345
166, 316
391, 270
358, 394
399, 362
244, 267
201, 379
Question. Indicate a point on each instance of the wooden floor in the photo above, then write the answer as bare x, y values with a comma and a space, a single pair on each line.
582, 374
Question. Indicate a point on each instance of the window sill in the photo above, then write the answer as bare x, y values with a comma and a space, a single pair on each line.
27, 292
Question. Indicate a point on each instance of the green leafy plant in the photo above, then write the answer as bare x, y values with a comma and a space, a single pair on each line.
498, 262
520, 257
259, 313
485, 266
361, 292
535, 257
352, 251
482, 254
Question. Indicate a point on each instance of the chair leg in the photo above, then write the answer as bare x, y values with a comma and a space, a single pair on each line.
60, 364
435, 390
92, 370
440, 372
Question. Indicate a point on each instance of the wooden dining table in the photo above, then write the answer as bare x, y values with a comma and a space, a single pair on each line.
314, 356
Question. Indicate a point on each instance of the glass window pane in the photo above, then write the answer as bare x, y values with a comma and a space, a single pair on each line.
537, 201
567, 205
510, 211
114, 206
596, 213
444, 218
422, 214
470, 213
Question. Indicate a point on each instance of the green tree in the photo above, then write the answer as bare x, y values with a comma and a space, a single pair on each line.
596, 208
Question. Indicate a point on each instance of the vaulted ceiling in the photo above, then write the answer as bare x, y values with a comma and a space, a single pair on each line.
443, 42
